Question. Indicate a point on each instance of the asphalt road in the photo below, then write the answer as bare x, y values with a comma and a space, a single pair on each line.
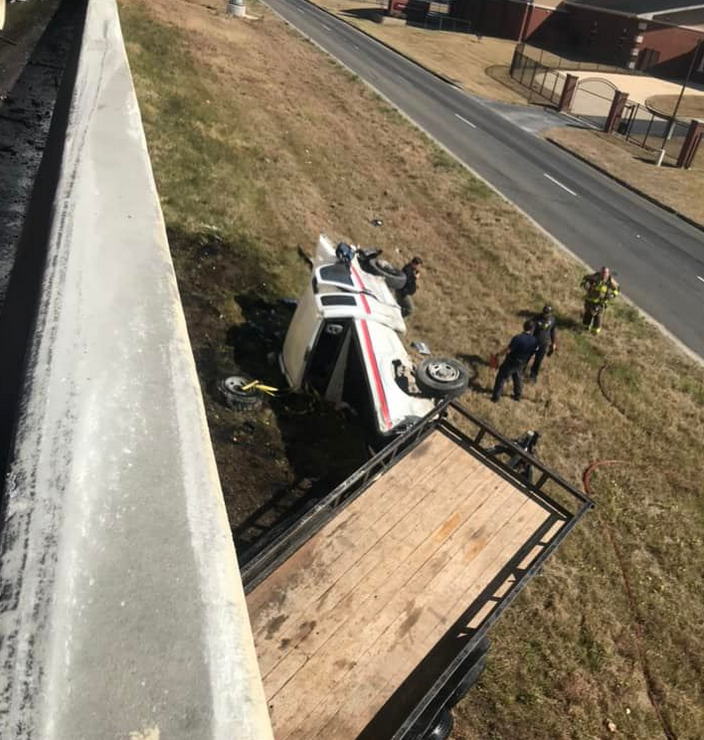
658, 257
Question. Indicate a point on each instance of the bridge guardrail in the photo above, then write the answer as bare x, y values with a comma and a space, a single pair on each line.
122, 612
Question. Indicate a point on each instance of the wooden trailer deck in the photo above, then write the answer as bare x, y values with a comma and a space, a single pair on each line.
434, 542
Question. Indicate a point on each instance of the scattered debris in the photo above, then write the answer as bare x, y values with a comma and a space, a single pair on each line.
610, 726
239, 393
377, 222
421, 347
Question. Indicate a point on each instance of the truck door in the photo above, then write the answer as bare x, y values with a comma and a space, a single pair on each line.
300, 338
326, 364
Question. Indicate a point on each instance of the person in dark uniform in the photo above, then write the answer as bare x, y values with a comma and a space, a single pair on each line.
518, 353
403, 296
547, 340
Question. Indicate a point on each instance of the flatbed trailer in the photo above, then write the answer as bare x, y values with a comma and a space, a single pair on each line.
370, 612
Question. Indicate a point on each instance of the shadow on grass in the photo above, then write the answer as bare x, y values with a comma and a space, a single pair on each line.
652, 160
323, 446
474, 362
561, 322
501, 73
278, 459
366, 14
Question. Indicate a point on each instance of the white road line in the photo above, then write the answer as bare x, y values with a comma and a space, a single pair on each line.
464, 120
699, 277
355, 46
559, 184
300, 10
327, 28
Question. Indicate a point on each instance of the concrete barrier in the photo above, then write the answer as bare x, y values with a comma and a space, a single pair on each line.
122, 613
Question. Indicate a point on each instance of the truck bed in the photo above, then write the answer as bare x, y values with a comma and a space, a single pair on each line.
410, 568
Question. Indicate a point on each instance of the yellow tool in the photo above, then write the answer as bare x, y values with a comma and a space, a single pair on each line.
258, 386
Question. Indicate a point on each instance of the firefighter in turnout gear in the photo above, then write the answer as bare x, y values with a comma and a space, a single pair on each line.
546, 334
601, 289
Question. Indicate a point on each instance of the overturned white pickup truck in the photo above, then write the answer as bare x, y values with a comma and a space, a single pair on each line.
344, 343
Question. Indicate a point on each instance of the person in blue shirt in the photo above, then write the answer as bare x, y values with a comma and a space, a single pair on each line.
518, 353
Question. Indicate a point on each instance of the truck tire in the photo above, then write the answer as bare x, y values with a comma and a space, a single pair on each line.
395, 278
442, 377
230, 390
442, 729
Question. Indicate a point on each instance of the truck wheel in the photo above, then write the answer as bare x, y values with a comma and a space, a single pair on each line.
442, 376
231, 392
442, 729
395, 278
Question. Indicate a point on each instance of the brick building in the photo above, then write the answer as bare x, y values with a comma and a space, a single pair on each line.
658, 35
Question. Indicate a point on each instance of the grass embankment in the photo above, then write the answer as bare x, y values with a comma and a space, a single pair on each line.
259, 142
678, 188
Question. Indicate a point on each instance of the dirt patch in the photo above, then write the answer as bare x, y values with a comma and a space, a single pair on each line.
677, 188
273, 460
691, 106
254, 132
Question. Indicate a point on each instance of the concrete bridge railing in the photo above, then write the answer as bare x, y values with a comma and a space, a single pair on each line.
122, 613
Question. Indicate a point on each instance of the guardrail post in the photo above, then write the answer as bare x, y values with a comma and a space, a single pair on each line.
691, 143
568, 91
616, 111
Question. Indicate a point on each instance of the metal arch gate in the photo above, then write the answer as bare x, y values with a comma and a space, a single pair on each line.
592, 100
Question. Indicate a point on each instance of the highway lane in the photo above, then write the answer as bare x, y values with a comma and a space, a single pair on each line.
659, 258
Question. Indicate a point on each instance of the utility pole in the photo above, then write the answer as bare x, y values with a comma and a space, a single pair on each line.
695, 54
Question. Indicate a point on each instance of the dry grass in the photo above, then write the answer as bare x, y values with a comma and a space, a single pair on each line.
692, 106
249, 131
460, 57
678, 188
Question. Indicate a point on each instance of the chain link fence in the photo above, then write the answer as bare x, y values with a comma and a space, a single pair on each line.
543, 81
533, 69
650, 130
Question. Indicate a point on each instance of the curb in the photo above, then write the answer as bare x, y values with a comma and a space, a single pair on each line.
690, 353
408, 58
627, 185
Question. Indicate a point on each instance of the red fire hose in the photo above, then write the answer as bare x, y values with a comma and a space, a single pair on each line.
635, 611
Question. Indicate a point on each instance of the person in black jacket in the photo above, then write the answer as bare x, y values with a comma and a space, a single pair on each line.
518, 353
545, 333
403, 296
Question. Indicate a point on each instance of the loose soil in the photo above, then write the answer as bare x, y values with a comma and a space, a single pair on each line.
677, 188
259, 142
